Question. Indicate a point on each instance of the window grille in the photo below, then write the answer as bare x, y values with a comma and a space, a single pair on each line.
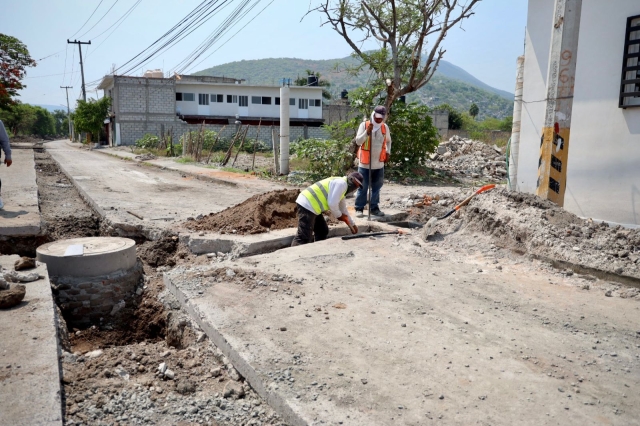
630, 86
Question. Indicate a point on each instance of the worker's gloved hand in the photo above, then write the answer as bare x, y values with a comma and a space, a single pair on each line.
345, 218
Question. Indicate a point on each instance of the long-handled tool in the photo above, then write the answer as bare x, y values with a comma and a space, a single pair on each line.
431, 223
373, 234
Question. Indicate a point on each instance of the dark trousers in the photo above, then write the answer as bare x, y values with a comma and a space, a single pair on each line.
310, 225
377, 178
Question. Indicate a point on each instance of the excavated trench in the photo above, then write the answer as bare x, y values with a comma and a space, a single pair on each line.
106, 364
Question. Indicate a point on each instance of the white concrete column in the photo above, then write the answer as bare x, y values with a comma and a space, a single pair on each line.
284, 130
554, 150
514, 149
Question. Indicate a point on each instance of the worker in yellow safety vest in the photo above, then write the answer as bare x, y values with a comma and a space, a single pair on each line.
326, 195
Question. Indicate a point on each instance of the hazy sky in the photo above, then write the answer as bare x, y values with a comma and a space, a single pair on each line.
486, 45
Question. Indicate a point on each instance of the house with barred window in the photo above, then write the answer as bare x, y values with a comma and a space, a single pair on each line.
576, 137
154, 104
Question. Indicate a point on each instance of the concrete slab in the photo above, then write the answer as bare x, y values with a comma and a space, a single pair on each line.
21, 215
391, 331
30, 387
198, 171
249, 245
123, 192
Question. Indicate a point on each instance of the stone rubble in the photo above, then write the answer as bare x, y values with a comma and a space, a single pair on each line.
530, 225
466, 159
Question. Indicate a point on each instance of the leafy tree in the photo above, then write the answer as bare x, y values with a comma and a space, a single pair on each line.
44, 124
89, 116
18, 118
14, 59
61, 122
413, 135
302, 81
403, 28
474, 110
455, 118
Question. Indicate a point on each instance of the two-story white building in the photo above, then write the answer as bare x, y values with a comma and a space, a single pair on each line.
152, 103
580, 123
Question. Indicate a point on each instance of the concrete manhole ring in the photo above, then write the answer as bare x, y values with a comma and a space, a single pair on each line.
92, 245
101, 255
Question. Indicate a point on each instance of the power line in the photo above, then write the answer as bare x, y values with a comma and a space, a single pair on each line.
66, 53
182, 21
226, 41
94, 11
196, 22
213, 37
121, 20
105, 14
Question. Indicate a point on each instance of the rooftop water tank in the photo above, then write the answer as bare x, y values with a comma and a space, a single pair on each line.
153, 74
312, 80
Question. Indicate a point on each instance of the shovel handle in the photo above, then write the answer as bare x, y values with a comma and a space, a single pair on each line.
466, 200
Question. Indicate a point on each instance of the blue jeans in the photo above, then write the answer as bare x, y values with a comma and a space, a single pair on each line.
377, 178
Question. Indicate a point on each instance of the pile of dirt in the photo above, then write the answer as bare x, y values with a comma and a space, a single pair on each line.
468, 159
530, 225
261, 213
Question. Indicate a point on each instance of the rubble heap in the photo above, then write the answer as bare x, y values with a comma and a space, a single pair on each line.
528, 224
468, 159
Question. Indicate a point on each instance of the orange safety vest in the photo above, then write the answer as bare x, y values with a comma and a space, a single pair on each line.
364, 151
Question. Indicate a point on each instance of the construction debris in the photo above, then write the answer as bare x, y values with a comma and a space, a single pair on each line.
260, 213
528, 224
466, 159
12, 297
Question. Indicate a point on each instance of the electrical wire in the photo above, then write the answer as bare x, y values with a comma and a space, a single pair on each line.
225, 26
236, 33
178, 25
227, 23
92, 13
202, 18
122, 19
99, 20
65, 62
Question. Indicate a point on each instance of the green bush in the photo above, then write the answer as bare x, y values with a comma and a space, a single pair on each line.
413, 136
325, 157
148, 141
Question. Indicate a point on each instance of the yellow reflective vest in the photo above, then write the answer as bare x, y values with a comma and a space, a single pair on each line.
318, 194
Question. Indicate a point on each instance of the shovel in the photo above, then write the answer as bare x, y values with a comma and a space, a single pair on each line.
432, 222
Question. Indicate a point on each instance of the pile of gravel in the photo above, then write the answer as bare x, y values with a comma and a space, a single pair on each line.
468, 159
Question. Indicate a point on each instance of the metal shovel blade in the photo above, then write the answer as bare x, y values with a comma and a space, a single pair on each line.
428, 228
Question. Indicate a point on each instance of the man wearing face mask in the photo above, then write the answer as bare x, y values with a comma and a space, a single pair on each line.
326, 195
374, 140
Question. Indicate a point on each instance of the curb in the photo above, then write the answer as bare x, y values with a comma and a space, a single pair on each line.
158, 166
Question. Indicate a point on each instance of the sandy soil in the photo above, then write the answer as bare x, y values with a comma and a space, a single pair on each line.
260, 213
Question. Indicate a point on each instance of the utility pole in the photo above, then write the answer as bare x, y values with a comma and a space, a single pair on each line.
68, 110
80, 43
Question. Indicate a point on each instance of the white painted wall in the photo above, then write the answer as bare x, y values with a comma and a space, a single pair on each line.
253, 110
603, 170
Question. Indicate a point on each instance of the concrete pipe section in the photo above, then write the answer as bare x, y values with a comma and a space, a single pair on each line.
94, 278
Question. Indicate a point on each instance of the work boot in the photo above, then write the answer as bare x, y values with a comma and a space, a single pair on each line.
377, 212
359, 213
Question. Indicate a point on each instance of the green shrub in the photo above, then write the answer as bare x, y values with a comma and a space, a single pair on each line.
325, 157
413, 136
148, 141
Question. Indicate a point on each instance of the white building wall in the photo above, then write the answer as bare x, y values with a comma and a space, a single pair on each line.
603, 170
253, 110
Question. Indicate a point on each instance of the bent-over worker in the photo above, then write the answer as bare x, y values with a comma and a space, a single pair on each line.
326, 195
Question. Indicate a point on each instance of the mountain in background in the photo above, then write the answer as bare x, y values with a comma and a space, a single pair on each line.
450, 84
